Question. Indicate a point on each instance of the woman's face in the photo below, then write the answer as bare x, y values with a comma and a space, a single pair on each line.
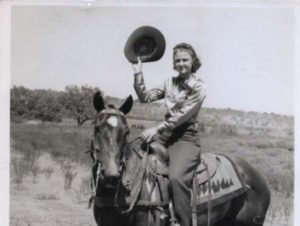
183, 63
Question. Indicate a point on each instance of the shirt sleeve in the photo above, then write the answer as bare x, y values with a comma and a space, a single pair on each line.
144, 95
189, 108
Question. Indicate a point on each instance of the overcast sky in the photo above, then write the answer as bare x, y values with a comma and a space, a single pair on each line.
247, 54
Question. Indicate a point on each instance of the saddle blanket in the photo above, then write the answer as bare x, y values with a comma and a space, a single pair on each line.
225, 182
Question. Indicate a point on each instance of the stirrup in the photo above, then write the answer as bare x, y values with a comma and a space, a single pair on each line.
172, 221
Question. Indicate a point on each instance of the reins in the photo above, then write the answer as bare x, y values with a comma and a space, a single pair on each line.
114, 199
97, 163
144, 165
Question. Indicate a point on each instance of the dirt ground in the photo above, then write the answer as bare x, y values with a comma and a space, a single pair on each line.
46, 202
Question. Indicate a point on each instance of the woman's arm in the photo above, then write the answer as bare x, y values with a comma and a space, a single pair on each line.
189, 108
144, 95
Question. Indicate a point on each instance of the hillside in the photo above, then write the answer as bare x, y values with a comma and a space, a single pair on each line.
247, 123
77, 103
215, 120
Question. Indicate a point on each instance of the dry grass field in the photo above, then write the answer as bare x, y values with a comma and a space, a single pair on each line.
50, 172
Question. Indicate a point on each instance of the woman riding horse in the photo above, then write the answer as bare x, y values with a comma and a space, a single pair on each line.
110, 149
122, 174
184, 95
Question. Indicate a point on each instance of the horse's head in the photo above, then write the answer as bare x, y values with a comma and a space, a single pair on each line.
110, 137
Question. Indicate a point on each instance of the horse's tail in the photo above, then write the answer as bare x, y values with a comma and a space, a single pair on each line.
254, 180
259, 194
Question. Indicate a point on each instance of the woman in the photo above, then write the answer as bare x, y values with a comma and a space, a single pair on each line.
184, 95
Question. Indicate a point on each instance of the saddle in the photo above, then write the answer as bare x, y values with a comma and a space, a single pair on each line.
152, 165
216, 181
159, 163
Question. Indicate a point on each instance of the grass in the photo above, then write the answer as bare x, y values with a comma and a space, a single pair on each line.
19, 170
83, 191
69, 176
44, 196
61, 142
47, 172
67, 143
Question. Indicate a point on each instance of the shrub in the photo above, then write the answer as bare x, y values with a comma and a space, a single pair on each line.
44, 196
69, 176
31, 157
35, 170
60, 141
19, 169
14, 117
47, 172
84, 190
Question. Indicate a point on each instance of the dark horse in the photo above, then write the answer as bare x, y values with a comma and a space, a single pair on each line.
121, 202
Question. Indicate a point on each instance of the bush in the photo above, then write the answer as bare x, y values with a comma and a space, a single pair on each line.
50, 105
84, 190
16, 118
44, 196
19, 169
58, 140
47, 172
69, 176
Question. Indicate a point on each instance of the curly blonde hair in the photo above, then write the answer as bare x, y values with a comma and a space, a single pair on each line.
188, 48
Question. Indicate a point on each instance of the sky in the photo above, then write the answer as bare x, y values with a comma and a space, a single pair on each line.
247, 53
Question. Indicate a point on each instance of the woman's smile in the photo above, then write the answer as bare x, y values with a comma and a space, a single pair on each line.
183, 63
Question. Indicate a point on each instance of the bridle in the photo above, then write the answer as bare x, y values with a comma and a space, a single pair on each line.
113, 200
93, 150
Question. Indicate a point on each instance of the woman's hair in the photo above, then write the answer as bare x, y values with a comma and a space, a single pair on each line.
188, 48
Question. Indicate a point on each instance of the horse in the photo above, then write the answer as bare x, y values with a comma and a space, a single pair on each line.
124, 183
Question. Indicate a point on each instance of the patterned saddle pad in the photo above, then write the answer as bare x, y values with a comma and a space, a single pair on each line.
224, 181
210, 159
224, 184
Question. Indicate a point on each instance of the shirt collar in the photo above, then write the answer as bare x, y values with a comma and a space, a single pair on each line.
182, 80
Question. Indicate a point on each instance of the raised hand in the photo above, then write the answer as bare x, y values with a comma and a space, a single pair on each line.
137, 67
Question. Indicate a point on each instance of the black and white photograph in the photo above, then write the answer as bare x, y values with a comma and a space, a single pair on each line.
149, 113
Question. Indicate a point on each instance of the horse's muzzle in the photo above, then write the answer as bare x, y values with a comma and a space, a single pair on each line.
111, 179
111, 182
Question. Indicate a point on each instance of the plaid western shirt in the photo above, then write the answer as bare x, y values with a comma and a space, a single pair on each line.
183, 99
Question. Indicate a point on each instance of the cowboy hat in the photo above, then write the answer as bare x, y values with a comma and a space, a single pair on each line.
146, 42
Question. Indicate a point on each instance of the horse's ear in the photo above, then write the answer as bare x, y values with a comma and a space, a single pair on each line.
98, 102
127, 105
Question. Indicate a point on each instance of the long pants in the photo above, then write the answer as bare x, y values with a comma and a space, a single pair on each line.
184, 158
184, 153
